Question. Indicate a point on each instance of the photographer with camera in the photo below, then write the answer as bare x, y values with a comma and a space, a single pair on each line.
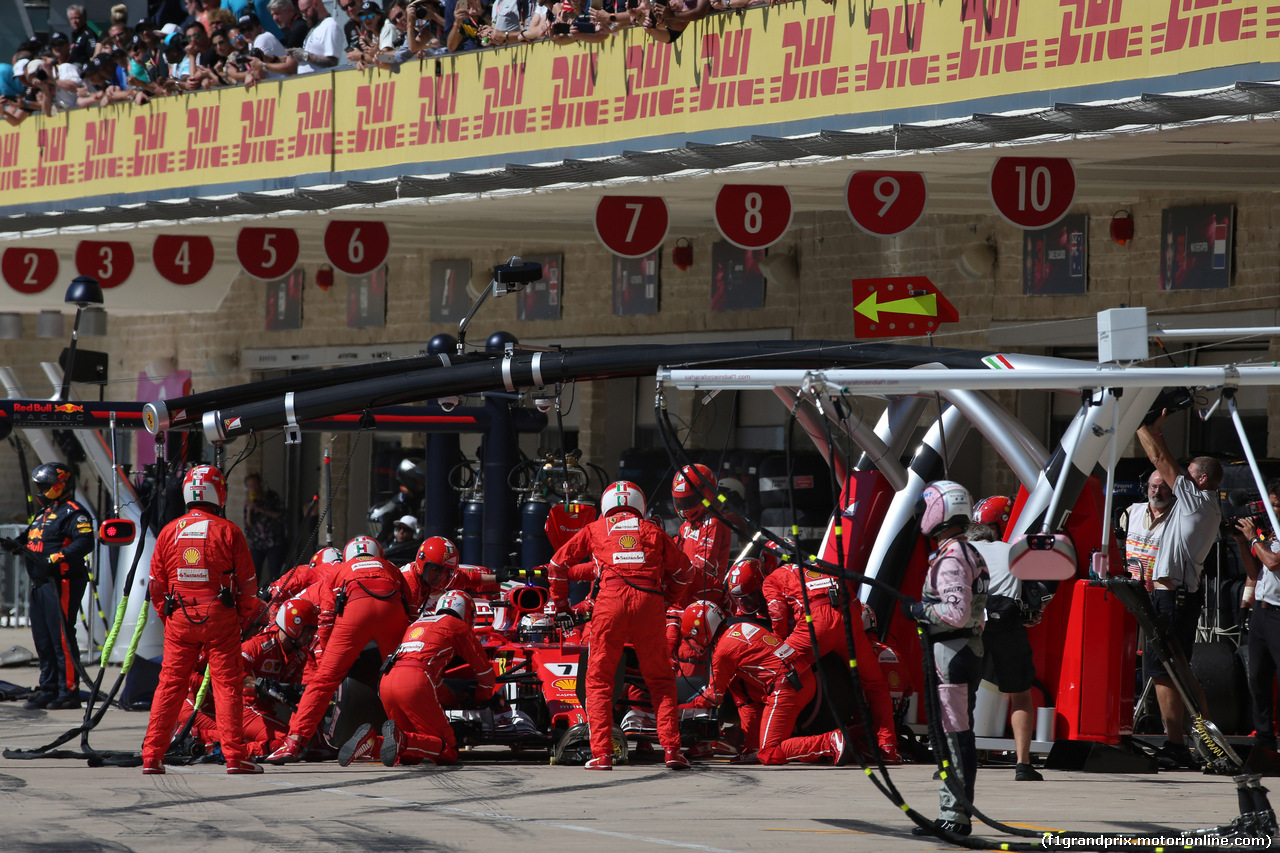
1261, 558
1177, 597
425, 28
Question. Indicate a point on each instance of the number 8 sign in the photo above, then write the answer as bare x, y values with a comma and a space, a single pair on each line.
356, 248
753, 216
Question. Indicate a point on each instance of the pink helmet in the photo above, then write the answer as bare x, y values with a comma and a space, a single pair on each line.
943, 504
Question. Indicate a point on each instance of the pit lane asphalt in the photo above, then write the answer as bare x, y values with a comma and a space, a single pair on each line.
494, 803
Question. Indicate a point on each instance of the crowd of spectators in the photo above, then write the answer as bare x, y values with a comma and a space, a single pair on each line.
247, 42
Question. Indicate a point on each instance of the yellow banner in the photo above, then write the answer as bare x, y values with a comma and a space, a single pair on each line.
796, 68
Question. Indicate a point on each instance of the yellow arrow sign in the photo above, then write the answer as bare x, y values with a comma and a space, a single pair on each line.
924, 306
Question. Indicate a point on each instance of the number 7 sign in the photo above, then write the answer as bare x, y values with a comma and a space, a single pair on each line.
631, 226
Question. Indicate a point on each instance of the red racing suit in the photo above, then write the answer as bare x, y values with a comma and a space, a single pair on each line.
370, 593
640, 571
706, 543
410, 689
468, 578
775, 683
786, 607
263, 656
203, 561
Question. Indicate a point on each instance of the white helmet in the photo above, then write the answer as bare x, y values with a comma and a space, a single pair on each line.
621, 495
460, 604
943, 504
362, 546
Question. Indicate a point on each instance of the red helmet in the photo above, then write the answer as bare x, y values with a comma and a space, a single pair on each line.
460, 604
993, 512
700, 623
689, 488
204, 484
744, 583
296, 617
326, 555
436, 562
621, 495
362, 546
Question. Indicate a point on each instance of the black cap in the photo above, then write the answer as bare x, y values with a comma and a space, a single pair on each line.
95, 64
54, 38
144, 25
31, 45
249, 19
368, 7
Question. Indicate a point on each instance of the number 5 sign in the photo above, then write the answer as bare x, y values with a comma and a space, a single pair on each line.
356, 248
631, 226
753, 216
267, 253
1032, 192
885, 203
181, 259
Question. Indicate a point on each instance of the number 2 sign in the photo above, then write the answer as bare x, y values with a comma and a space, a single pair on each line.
29, 270
753, 216
356, 248
182, 259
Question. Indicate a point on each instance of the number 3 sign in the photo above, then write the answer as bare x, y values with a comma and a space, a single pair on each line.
356, 248
111, 263
267, 253
753, 216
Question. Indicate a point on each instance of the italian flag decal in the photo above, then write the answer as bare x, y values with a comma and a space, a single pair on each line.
997, 362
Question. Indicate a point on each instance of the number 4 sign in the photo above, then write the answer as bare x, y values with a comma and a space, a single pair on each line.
181, 259
356, 248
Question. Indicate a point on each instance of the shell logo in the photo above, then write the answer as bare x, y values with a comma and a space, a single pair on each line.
771, 641
565, 684
812, 575
895, 680
417, 633
191, 556
627, 541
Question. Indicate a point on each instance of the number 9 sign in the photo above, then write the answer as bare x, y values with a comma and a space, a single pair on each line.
267, 253
885, 203
753, 216
111, 263
29, 270
181, 259
356, 248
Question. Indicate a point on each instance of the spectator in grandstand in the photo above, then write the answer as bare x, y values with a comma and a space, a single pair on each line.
258, 48
468, 17
290, 23
425, 29
119, 28
67, 81
322, 48
508, 21
83, 38
99, 88
197, 53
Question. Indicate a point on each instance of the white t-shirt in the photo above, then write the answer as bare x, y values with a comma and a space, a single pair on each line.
1268, 588
325, 39
1189, 533
387, 38
270, 46
1142, 541
506, 15
67, 97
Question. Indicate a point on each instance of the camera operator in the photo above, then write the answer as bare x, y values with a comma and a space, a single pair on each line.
426, 27
1264, 624
1177, 597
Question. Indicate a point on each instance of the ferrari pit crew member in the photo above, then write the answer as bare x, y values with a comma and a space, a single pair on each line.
772, 681
950, 610
788, 587
202, 585
639, 571
436, 569
55, 549
703, 537
361, 599
416, 729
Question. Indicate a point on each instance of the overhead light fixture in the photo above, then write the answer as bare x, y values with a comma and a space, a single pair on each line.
1122, 227
50, 324
83, 292
10, 327
977, 261
782, 268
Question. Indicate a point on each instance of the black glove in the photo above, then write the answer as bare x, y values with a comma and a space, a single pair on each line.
502, 575
913, 610
565, 621
13, 546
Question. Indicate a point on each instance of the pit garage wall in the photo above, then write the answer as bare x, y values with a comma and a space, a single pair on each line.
830, 250
793, 69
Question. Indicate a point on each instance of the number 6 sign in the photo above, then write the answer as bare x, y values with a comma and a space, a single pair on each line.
356, 248
631, 226
267, 253
753, 216
885, 203
182, 259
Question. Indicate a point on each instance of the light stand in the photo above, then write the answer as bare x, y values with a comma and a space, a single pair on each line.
83, 292
507, 278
